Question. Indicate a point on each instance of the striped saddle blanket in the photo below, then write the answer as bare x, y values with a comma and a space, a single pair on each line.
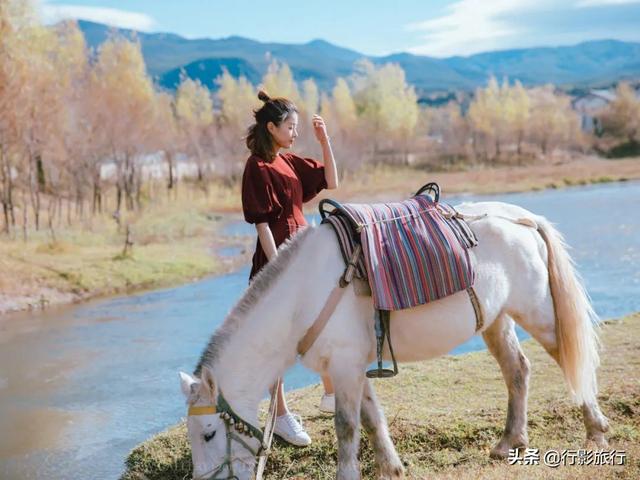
414, 252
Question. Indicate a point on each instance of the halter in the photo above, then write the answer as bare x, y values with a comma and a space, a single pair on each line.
233, 421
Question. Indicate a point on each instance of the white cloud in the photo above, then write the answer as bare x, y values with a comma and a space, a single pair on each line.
472, 26
109, 16
604, 3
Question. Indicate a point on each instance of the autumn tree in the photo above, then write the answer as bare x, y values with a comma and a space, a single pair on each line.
386, 104
194, 111
166, 135
75, 144
448, 130
341, 124
517, 111
278, 82
339, 111
16, 19
56, 65
486, 117
552, 121
622, 117
238, 99
125, 99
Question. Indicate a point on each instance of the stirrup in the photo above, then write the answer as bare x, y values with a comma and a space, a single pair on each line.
381, 372
383, 329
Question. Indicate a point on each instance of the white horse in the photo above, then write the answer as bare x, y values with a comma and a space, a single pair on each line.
524, 275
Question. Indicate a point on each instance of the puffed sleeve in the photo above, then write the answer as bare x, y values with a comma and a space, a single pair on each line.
259, 202
311, 175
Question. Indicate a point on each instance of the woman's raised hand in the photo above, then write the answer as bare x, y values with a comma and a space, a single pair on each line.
320, 129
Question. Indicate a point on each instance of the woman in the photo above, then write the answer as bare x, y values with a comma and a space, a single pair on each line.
274, 187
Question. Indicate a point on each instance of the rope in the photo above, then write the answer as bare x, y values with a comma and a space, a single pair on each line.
269, 428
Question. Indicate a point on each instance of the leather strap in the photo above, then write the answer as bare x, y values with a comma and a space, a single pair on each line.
477, 308
269, 428
330, 305
202, 410
321, 320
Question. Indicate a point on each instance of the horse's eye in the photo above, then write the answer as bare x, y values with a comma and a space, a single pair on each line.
209, 436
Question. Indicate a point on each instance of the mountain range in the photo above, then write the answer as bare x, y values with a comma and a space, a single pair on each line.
588, 64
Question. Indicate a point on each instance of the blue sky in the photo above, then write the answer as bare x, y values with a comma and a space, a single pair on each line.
437, 28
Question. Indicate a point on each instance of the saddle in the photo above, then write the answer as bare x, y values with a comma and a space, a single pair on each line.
403, 254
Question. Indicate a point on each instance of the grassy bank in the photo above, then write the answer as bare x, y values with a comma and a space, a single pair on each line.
173, 241
176, 239
444, 416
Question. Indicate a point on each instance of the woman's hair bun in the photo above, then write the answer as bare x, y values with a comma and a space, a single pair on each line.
262, 95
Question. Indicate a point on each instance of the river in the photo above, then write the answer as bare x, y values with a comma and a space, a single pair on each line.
82, 385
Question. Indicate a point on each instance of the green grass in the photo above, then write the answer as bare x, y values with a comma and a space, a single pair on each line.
446, 414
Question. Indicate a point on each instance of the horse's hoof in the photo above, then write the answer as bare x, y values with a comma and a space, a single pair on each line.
395, 474
501, 450
597, 441
499, 453
391, 472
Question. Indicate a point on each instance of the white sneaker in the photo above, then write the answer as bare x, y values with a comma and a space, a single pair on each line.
328, 403
289, 428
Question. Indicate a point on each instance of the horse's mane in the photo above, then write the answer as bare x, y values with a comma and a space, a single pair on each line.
257, 287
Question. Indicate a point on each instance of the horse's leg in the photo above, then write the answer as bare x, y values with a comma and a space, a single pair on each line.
375, 424
541, 325
503, 344
348, 387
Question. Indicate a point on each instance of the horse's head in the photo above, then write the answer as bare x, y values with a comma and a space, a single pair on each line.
218, 451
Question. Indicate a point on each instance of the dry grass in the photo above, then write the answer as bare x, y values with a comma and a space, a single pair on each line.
385, 182
174, 241
445, 415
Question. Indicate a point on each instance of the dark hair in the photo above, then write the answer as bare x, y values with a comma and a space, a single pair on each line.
275, 110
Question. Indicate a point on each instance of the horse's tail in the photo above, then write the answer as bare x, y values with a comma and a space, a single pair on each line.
576, 321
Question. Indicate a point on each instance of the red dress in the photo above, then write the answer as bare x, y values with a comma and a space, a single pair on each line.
274, 192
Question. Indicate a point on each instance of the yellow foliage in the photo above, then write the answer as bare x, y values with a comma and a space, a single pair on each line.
343, 104
552, 118
385, 102
238, 98
279, 82
622, 117
194, 105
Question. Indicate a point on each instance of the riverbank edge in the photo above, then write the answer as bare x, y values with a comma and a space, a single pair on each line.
388, 183
48, 297
444, 416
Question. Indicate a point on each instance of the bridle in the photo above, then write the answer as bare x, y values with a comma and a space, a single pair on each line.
237, 429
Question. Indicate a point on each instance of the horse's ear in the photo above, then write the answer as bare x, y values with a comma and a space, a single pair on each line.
186, 382
208, 382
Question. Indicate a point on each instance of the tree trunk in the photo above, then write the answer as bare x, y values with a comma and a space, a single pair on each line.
10, 197
7, 224
34, 188
138, 190
40, 173
69, 202
52, 213
118, 196
59, 210
24, 216
169, 156
97, 192
129, 182
3, 191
